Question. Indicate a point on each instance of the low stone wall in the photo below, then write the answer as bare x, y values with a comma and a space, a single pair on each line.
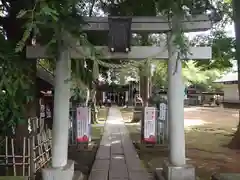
231, 105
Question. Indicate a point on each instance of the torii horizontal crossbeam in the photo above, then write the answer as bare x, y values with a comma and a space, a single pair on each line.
136, 53
151, 24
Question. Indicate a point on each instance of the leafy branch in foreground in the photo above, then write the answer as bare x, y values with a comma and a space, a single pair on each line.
15, 88
47, 19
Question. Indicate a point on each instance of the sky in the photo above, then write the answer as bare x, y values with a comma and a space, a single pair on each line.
229, 29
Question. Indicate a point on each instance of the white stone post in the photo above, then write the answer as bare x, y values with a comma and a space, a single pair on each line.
61, 109
175, 106
103, 96
126, 96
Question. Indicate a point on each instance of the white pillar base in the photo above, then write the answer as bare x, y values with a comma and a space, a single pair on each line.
64, 173
170, 172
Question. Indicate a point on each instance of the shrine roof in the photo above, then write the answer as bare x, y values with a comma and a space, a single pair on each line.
230, 77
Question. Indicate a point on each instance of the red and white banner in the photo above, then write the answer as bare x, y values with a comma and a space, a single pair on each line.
150, 124
83, 125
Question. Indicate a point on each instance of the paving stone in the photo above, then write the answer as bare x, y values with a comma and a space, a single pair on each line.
117, 151
121, 173
134, 165
105, 143
138, 175
116, 157
130, 151
127, 142
116, 138
116, 141
115, 130
116, 148
103, 152
118, 162
118, 167
117, 133
98, 175
101, 164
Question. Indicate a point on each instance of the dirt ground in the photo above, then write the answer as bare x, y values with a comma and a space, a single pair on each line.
208, 131
84, 158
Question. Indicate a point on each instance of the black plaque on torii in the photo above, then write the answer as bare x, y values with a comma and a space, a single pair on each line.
119, 34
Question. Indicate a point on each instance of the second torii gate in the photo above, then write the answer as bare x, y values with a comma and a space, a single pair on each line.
177, 164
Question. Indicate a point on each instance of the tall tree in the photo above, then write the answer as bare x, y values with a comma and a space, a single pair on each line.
235, 143
16, 66
192, 75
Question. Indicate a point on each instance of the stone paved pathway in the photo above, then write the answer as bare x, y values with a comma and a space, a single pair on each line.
116, 158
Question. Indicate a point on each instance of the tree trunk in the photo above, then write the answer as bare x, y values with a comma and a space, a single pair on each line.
144, 85
30, 108
88, 97
146, 90
145, 73
141, 83
235, 142
93, 107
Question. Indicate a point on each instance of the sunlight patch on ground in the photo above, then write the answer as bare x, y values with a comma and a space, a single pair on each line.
235, 115
187, 123
191, 109
133, 124
114, 120
193, 122
234, 129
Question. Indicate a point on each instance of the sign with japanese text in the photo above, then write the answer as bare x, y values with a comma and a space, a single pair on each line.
83, 119
163, 111
150, 124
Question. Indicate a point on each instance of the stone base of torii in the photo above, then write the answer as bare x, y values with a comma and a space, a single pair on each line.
176, 168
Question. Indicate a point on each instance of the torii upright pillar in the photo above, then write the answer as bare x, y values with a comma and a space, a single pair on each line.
61, 168
175, 106
176, 168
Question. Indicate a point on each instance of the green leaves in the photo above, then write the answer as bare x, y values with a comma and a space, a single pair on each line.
46, 10
223, 49
192, 75
228, 1
15, 91
25, 37
22, 13
42, 15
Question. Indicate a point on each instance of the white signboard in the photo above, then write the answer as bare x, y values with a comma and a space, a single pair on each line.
149, 124
83, 130
89, 123
162, 111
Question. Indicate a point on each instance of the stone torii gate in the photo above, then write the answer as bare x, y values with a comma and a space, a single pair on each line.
177, 165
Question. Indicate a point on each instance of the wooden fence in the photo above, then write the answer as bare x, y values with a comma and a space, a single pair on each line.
27, 155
